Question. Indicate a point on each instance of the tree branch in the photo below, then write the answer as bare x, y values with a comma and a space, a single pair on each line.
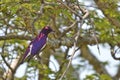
86, 53
8, 65
113, 52
73, 53
70, 9
21, 37
68, 29
55, 42
75, 42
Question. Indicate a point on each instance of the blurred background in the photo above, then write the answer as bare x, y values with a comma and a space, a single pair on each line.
87, 35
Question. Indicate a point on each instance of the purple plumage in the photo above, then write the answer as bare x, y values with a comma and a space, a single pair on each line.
37, 44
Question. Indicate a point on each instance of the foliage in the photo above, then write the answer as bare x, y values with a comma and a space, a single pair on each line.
21, 21
98, 77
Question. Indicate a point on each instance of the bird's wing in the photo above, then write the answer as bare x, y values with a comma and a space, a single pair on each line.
42, 49
27, 52
38, 45
35, 47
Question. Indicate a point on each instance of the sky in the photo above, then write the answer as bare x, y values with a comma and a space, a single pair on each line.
104, 56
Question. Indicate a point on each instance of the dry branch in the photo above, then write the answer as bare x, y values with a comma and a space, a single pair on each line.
86, 13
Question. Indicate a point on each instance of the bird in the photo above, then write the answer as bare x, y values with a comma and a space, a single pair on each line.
37, 44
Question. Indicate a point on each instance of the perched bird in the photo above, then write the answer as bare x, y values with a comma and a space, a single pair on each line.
37, 44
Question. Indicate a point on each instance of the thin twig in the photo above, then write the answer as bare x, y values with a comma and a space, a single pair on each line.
63, 63
70, 9
7, 64
94, 36
113, 54
74, 46
68, 29
86, 13
74, 50
4, 57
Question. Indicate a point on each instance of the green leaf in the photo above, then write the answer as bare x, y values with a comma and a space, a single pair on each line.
105, 77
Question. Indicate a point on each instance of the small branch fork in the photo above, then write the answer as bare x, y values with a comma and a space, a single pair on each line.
9, 74
3, 58
73, 53
86, 14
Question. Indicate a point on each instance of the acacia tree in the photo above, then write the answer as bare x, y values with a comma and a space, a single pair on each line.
20, 21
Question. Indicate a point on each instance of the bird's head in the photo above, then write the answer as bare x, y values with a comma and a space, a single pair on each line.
46, 30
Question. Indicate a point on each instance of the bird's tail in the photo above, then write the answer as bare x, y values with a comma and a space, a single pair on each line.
22, 60
27, 59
